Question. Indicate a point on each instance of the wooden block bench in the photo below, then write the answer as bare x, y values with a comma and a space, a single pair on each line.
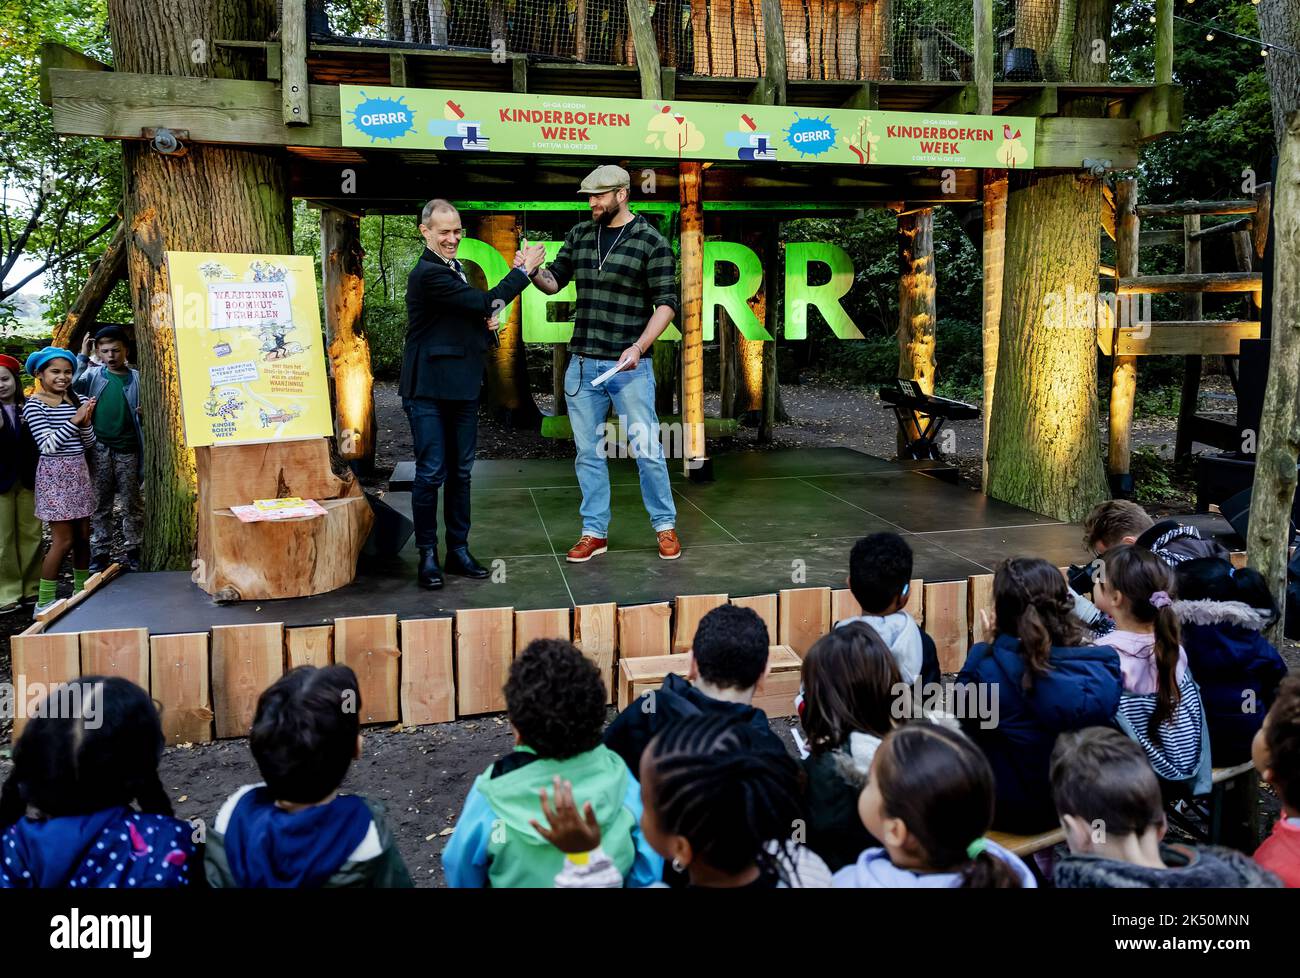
1027, 845
775, 695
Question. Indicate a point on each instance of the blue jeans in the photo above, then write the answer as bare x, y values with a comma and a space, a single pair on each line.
632, 392
445, 435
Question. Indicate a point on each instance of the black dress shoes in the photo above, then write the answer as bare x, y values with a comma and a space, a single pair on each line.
430, 572
461, 562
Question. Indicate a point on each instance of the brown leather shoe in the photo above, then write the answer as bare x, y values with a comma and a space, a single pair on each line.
586, 548
670, 548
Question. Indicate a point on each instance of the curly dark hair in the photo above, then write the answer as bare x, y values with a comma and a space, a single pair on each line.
880, 566
1282, 741
730, 647
304, 734
96, 745
556, 699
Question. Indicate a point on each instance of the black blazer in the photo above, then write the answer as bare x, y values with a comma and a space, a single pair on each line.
446, 339
18, 454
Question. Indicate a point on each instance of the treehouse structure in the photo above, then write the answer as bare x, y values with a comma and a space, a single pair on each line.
1028, 74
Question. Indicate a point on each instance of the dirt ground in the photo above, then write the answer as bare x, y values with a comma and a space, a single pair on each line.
422, 774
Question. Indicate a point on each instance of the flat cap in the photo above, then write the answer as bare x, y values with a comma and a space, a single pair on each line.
605, 178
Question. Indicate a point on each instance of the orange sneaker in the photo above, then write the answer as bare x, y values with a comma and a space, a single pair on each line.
670, 548
586, 548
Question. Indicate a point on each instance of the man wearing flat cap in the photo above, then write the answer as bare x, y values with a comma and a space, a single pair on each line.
448, 330
625, 275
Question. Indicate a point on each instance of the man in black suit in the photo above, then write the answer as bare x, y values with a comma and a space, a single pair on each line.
449, 326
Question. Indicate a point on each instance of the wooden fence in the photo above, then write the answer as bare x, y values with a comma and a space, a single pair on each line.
433, 670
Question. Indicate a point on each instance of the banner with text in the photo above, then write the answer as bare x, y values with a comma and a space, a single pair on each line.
248, 347
617, 128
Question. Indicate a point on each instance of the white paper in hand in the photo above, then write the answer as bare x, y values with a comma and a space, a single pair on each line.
608, 373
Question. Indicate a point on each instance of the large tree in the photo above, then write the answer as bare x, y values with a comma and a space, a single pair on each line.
1044, 450
1279, 435
214, 198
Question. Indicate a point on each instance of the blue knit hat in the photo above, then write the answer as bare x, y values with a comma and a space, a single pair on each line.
40, 358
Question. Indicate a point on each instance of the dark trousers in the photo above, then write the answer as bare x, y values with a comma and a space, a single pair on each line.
445, 434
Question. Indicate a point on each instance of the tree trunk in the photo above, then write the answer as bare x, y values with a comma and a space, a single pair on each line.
690, 182
916, 304
343, 282
1279, 23
507, 389
1269, 534
1044, 451
214, 198
992, 249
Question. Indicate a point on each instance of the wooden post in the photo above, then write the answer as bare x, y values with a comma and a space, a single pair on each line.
293, 52
643, 39
1123, 383
690, 181
349, 349
916, 302
993, 245
774, 92
1193, 312
774, 73
1269, 533
580, 30
983, 67
1164, 42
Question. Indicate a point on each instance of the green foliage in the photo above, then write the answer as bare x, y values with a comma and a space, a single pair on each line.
1155, 479
62, 189
385, 324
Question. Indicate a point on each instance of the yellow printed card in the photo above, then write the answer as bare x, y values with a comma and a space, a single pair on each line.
249, 350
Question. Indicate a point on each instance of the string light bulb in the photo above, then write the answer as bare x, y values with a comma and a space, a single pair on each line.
1153, 18
1210, 36
1263, 52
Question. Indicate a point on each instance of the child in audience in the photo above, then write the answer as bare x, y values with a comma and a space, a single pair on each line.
1161, 707
556, 701
115, 388
60, 424
65, 811
728, 662
1047, 679
1109, 802
880, 573
1222, 614
851, 683
929, 800
296, 829
722, 808
1276, 753
20, 530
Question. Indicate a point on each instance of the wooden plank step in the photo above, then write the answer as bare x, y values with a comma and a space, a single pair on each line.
1192, 282
1183, 337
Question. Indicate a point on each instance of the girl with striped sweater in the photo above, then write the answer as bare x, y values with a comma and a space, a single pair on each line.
1160, 706
60, 424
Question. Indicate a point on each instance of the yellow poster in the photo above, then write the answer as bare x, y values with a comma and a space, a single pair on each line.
249, 348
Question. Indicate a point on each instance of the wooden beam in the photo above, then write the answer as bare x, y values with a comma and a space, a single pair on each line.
1040, 102
1174, 338
55, 55
1193, 311
397, 69
1064, 142
1227, 227
484, 651
765, 606
864, 96
690, 185
963, 101
985, 43
805, 616
1173, 236
45, 659
687, 612
1202, 282
993, 245
644, 630
1185, 207
1123, 379
296, 106
117, 652
595, 633
343, 289
246, 659
1164, 41
775, 74
519, 73
647, 51
1158, 111
1263, 215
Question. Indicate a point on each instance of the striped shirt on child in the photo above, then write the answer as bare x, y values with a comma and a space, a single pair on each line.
53, 430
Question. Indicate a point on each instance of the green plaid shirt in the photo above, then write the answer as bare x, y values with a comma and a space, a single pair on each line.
615, 302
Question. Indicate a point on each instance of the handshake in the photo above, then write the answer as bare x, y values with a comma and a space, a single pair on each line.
530, 257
